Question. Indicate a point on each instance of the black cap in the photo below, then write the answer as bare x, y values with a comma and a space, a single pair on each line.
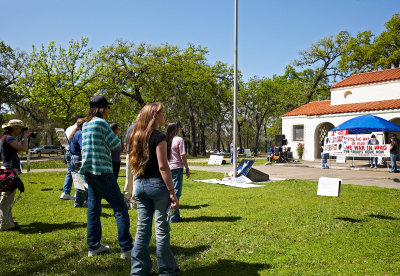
99, 101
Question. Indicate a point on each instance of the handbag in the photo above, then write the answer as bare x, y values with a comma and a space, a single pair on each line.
9, 181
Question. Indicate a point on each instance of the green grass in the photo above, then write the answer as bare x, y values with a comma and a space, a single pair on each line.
281, 228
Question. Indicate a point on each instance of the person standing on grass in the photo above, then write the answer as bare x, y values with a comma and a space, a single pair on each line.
66, 193
374, 160
9, 147
97, 141
116, 154
394, 151
75, 149
154, 192
176, 154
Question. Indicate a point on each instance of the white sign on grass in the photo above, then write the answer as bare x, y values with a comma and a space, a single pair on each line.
328, 186
215, 160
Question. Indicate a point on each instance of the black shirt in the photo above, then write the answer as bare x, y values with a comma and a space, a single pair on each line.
9, 155
151, 169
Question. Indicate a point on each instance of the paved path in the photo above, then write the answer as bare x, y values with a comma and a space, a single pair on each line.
360, 174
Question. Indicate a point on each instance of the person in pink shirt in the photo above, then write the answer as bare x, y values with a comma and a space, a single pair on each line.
177, 161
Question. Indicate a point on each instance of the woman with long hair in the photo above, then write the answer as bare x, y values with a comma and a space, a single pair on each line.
97, 141
394, 151
9, 147
154, 191
76, 158
176, 154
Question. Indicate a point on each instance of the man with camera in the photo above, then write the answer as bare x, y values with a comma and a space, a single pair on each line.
66, 193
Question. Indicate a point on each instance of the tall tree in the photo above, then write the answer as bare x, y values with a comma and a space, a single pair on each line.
323, 56
11, 65
58, 80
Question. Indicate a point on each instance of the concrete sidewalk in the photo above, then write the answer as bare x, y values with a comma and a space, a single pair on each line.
360, 174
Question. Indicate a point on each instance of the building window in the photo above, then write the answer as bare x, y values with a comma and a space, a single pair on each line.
298, 133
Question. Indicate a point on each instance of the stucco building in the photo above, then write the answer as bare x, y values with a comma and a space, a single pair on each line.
376, 93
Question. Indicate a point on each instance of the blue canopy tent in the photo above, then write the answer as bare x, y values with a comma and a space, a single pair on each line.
367, 124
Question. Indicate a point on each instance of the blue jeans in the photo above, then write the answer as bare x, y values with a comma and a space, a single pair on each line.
324, 160
106, 186
393, 158
68, 177
152, 198
177, 178
81, 196
374, 161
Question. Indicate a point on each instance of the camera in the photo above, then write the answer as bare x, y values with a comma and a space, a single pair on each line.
33, 133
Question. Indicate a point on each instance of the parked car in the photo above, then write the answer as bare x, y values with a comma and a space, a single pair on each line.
49, 149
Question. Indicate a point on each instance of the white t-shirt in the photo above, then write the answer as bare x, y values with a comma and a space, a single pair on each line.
69, 131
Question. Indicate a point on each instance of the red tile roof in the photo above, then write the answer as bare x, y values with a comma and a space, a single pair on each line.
370, 77
325, 107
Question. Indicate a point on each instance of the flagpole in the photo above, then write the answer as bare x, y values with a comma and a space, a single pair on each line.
235, 87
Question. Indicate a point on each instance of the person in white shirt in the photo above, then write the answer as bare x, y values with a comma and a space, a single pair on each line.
66, 193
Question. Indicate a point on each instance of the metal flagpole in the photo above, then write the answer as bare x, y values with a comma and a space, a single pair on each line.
235, 86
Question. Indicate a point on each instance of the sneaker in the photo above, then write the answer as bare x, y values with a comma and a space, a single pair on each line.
372, 166
67, 196
126, 254
376, 167
103, 249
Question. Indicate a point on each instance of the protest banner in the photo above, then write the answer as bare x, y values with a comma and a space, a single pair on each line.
340, 143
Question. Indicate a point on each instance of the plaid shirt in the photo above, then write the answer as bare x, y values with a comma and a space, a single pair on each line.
97, 141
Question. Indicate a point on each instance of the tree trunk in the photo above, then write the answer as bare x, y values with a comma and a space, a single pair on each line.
202, 139
193, 136
218, 136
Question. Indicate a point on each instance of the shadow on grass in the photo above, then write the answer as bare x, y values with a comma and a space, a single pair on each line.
31, 260
182, 252
383, 217
36, 227
104, 215
193, 206
46, 189
352, 220
228, 267
211, 219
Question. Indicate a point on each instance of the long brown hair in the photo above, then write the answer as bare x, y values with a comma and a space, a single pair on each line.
95, 112
79, 124
139, 138
172, 131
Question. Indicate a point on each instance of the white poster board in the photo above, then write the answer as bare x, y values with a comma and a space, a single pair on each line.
215, 160
341, 159
328, 186
62, 137
79, 181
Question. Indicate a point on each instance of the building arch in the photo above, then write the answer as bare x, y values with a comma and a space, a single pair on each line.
321, 131
395, 121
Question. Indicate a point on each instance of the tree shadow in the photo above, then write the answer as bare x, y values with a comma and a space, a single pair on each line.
228, 267
104, 215
46, 189
383, 217
191, 207
106, 206
211, 219
36, 227
29, 261
182, 252
352, 220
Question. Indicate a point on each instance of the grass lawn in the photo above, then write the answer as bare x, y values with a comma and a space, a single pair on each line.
281, 228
